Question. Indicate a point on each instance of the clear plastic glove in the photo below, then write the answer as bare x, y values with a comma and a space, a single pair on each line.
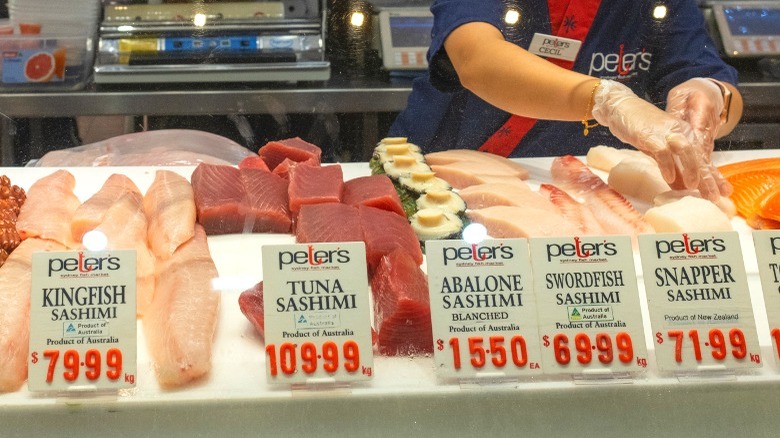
699, 102
668, 139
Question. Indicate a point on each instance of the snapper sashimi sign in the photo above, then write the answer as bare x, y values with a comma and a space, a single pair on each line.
317, 313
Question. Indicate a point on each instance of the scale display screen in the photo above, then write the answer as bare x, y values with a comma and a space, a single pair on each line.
411, 31
753, 22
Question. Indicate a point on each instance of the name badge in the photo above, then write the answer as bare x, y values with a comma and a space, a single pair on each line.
550, 46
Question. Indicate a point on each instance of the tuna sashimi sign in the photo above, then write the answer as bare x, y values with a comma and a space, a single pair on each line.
590, 318
699, 302
317, 313
767, 243
83, 320
482, 309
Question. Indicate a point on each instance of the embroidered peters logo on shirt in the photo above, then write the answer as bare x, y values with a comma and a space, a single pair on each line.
621, 64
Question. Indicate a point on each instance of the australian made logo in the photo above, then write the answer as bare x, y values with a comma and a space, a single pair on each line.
590, 313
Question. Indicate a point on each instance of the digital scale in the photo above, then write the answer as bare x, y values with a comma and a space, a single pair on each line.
263, 41
404, 35
748, 28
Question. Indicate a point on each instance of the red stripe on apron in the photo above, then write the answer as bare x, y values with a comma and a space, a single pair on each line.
568, 19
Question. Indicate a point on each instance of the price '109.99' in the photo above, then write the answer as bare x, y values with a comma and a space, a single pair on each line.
329, 356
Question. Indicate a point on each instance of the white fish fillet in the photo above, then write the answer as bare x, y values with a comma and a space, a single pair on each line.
606, 157
89, 214
519, 195
49, 208
638, 179
688, 214
179, 325
504, 221
170, 208
573, 210
476, 157
725, 204
15, 284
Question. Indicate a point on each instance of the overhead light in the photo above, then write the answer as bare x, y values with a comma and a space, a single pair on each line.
512, 16
357, 19
659, 13
199, 19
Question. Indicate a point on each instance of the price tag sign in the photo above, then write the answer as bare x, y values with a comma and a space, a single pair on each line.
767, 243
482, 309
697, 294
83, 321
588, 300
317, 314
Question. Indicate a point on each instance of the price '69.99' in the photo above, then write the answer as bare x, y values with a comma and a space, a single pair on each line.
311, 357
601, 346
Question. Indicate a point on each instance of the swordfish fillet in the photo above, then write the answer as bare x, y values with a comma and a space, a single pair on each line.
49, 208
125, 226
506, 221
571, 209
169, 204
180, 323
614, 213
519, 195
471, 156
89, 214
462, 174
15, 283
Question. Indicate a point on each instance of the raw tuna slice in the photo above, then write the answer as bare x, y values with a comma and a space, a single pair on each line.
330, 222
49, 209
125, 227
169, 204
15, 284
220, 198
384, 232
315, 185
373, 191
274, 152
490, 194
251, 304
283, 169
89, 214
402, 312
253, 162
266, 196
471, 156
180, 323
504, 221
615, 214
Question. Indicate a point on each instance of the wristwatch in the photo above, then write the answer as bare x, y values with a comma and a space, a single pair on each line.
726, 93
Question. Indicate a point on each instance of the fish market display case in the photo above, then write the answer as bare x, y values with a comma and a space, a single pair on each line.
405, 396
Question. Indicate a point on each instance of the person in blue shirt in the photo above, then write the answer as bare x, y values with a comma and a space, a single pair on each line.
555, 77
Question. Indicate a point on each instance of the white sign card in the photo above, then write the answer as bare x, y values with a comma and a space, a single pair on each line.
700, 309
767, 244
588, 301
83, 321
317, 313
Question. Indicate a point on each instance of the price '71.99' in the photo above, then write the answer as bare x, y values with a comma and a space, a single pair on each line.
716, 340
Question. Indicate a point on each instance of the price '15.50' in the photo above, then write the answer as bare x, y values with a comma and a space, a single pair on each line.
500, 352
311, 357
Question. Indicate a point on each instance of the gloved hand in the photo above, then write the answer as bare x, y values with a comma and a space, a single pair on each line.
699, 102
668, 139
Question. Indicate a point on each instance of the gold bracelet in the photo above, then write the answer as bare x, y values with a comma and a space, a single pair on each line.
588, 109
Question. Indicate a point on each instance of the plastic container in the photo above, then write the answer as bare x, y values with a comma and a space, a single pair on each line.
45, 62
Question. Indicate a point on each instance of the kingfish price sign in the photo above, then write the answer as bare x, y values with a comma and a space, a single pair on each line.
588, 301
83, 321
700, 309
482, 309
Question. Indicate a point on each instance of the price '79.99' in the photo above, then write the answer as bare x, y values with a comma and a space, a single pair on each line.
91, 361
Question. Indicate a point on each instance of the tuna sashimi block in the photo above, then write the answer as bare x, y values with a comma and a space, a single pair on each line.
253, 162
402, 312
315, 185
283, 169
266, 195
15, 286
180, 323
329, 222
296, 149
251, 304
220, 198
89, 214
49, 209
384, 232
373, 191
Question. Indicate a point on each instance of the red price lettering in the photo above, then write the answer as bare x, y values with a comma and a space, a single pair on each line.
776, 334
518, 351
91, 361
287, 357
716, 340
585, 347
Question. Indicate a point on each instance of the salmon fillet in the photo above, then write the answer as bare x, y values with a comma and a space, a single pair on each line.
169, 204
42, 218
15, 284
180, 323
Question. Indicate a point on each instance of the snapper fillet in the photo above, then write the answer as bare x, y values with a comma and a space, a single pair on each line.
125, 227
169, 204
89, 214
49, 208
180, 323
573, 210
15, 284
615, 214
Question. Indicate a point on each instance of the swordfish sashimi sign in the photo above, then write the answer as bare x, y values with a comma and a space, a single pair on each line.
317, 314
